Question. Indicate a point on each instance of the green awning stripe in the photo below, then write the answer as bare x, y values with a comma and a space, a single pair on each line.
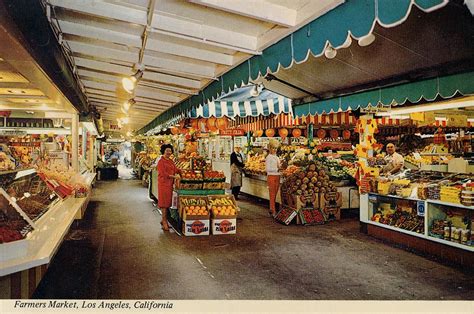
354, 18
445, 87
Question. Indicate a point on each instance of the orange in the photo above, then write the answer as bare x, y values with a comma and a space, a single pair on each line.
203, 207
191, 208
219, 208
215, 212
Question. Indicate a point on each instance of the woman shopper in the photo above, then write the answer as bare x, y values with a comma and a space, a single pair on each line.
236, 166
166, 174
272, 166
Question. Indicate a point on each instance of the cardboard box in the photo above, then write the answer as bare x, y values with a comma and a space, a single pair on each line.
190, 200
195, 225
223, 225
222, 200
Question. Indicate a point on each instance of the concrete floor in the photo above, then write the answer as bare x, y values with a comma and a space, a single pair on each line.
119, 252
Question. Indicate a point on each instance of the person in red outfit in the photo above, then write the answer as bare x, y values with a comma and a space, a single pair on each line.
166, 173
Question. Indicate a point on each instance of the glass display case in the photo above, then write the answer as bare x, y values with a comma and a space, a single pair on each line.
13, 225
31, 194
452, 223
396, 212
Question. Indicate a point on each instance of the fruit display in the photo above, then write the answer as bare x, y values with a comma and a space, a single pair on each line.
199, 163
191, 176
311, 216
285, 215
403, 216
428, 159
309, 180
255, 165
221, 206
212, 175
183, 164
193, 206
23, 155
6, 162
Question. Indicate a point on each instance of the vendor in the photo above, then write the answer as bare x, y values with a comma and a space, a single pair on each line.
393, 159
236, 166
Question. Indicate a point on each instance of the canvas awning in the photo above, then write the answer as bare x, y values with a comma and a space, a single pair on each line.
428, 90
243, 109
354, 19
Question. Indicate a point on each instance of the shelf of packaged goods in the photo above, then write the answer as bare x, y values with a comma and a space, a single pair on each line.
450, 204
419, 235
395, 196
450, 243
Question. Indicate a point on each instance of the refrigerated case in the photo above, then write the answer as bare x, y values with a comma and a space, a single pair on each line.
434, 220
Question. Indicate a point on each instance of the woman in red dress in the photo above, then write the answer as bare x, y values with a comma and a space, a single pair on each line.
166, 174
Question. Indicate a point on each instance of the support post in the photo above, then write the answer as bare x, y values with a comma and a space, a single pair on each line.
75, 142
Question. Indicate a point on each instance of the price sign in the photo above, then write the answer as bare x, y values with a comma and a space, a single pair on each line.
420, 208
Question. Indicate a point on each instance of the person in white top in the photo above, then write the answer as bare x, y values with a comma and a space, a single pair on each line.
394, 160
272, 166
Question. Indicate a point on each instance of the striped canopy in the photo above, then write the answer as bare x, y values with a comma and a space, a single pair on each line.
243, 109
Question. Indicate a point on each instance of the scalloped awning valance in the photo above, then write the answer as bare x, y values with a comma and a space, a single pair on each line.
355, 18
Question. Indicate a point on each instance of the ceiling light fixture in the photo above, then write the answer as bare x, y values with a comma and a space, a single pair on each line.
366, 40
127, 105
130, 83
256, 90
330, 52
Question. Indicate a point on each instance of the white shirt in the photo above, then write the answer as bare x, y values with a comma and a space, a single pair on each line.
394, 161
272, 164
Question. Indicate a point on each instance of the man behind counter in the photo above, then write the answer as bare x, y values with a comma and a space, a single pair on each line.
394, 160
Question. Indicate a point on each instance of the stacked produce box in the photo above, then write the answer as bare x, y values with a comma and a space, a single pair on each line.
204, 215
308, 188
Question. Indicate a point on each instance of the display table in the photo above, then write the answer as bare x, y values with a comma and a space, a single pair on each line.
256, 185
428, 212
20, 276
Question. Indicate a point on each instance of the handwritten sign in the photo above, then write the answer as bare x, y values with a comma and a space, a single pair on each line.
232, 132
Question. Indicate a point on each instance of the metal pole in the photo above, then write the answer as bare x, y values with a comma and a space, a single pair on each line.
75, 142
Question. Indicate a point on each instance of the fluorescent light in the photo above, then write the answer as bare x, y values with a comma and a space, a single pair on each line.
441, 119
452, 104
400, 117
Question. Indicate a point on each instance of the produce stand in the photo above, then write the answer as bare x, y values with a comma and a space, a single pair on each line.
199, 211
427, 206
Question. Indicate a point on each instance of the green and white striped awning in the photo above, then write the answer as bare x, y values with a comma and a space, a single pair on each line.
243, 109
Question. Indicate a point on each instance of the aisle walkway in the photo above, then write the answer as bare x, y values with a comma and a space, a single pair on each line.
119, 252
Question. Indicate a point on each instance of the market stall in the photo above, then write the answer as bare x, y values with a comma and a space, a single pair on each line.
41, 195
430, 198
